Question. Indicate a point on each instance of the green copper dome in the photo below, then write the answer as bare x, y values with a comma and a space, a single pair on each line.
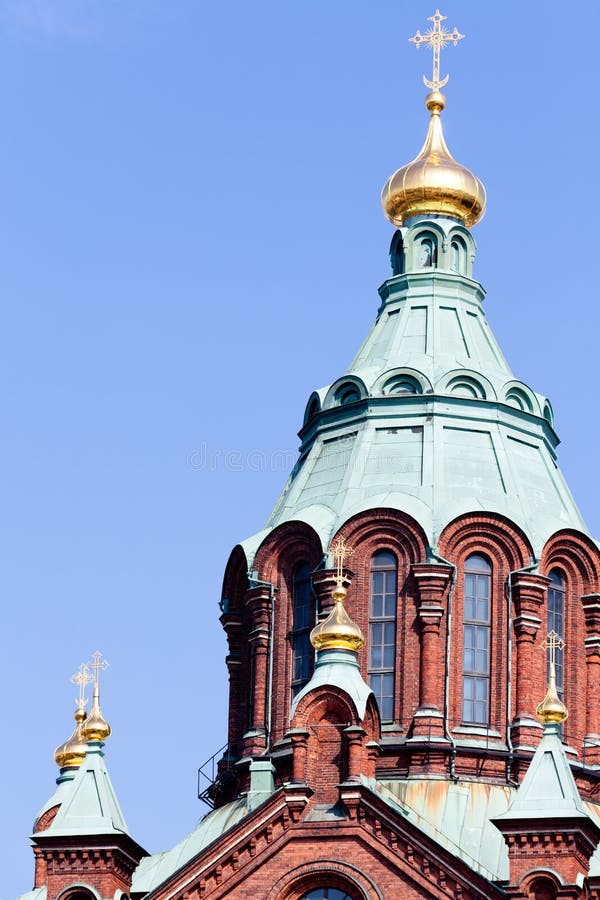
429, 418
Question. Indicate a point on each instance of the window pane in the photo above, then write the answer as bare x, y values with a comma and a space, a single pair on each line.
383, 559
302, 615
477, 563
382, 631
476, 639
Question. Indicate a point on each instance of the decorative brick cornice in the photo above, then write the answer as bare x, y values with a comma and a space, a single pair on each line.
220, 869
591, 611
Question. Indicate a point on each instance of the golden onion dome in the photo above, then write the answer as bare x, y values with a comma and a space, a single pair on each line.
552, 709
338, 631
96, 728
434, 183
72, 752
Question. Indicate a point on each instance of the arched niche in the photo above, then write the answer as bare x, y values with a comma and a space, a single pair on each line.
521, 397
459, 252
402, 380
466, 383
397, 258
346, 390
313, 407
424, 247
277, 562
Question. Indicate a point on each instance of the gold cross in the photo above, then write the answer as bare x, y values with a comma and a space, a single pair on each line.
82, 677
97, 665
437, 38
340, 552
553, 643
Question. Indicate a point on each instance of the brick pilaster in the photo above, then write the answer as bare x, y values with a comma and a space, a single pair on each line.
258, 602
591, 610
433, 581
529, 598
354, 738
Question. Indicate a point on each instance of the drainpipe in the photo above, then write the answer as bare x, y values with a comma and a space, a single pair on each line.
533, 565
432, 554
256, 582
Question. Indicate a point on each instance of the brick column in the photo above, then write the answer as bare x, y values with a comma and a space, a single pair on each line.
591, 741
354, 737
258, 602
529, 672
299, 738
433, 581
231, 622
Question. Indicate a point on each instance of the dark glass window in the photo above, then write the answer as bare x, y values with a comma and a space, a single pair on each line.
556, 622
302, 653
382, 631
476, 640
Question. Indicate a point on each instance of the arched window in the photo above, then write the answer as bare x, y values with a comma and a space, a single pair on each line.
302, 654
556, 622
326, 893
427, 252
78, 893
476, 640
458, 253
382, 631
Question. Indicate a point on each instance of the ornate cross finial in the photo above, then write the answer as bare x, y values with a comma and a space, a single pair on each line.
437, 38
340, 552
553, 643
97, 665
82, 677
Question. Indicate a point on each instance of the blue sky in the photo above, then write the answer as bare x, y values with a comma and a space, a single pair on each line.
190, 242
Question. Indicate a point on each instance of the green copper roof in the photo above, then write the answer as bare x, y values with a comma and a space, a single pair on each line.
429, 419
89, 804
155, 869
548, 790
63, 790
338, 668
35, 894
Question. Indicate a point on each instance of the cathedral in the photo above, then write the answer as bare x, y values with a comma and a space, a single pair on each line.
413, 636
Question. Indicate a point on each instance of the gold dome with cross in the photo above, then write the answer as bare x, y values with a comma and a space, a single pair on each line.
434, 183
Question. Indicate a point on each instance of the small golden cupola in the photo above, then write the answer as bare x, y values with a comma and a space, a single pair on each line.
552, 710
72, 753
338, 631
96, 728
434, 183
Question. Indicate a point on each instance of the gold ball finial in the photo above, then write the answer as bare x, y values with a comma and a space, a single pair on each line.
552, 709
435, 101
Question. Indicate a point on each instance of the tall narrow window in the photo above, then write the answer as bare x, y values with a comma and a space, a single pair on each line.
556, 622
382, 631
301, 609
476, 640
